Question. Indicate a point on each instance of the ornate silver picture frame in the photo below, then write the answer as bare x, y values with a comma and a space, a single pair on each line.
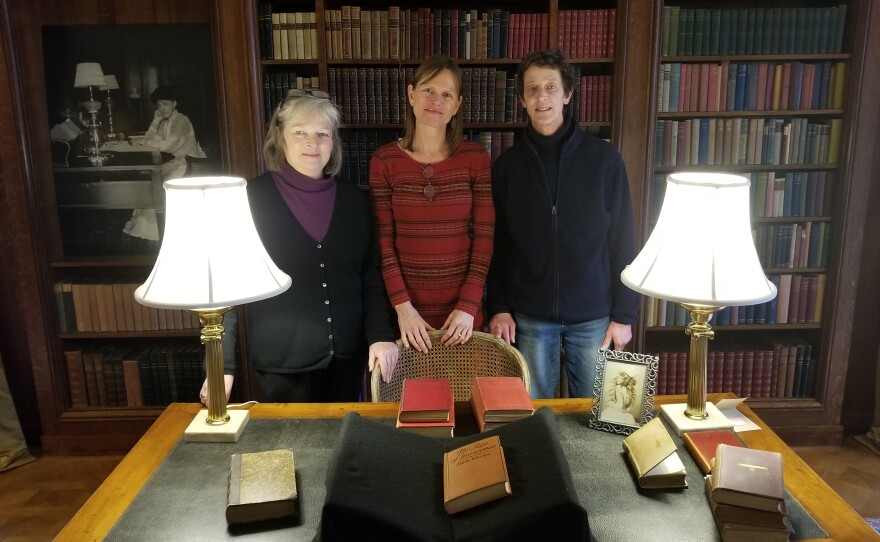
624, 391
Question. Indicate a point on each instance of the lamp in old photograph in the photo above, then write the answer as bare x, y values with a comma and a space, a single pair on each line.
110, 83
89, 75
211, 259
701, 255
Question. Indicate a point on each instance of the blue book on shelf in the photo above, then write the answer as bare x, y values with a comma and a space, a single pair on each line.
714, 30
703, 153
773, 22
751, 99
750, 31
740, 315
740, 98
771, 305
722, 317
731, 86
814, 250
728, 21
797, 183
742, 22
824, 85
674, 85
750, 314
761, 313
795, 85
789, 186
828, 23
837, 44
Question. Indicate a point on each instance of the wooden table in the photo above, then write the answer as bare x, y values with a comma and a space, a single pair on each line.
95, 519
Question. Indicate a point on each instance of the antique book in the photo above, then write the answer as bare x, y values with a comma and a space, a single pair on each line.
432, 429
425, 400
474, 474
651, 453
747, 477
726, 514
500, 398
262, 485
702, 445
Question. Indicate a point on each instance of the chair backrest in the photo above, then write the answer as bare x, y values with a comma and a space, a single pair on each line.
482, 355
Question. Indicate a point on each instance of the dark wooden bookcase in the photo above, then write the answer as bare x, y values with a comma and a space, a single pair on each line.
33, 346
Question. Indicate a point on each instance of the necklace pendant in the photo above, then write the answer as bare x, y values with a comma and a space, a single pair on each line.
429, 192
427, 171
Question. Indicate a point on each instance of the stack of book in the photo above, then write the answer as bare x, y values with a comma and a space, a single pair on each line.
427, 407
746, 493
497, 400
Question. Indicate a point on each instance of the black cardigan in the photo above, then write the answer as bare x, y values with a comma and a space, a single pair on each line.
336, 305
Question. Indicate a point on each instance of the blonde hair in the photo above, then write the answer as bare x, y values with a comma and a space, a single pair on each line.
297, 109
427, 71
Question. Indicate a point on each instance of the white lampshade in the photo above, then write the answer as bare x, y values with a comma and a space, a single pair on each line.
88, 74
211, 255
701, 250
110, 83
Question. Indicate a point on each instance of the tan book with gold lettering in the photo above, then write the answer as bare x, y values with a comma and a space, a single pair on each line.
474, 474
651, 452
262, 485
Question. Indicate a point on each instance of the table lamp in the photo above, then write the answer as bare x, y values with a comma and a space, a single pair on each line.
701, 255
210, 260
88, 75
110, 83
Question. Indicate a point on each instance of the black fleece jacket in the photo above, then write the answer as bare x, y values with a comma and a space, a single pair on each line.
560, 259
337, 304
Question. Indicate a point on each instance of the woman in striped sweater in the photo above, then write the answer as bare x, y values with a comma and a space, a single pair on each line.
432, 196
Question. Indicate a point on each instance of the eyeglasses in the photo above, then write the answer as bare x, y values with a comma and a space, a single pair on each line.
300, 92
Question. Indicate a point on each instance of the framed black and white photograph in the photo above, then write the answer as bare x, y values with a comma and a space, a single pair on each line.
624, 391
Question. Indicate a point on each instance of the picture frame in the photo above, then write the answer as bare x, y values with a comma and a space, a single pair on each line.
624, 390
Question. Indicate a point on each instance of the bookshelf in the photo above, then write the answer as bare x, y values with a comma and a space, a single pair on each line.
763, 91
34, 343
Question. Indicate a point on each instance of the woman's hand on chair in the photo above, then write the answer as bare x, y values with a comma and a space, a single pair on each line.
413, 328
385, 354
459, 327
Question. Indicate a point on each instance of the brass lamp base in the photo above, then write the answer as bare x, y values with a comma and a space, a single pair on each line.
682, 423
200, 430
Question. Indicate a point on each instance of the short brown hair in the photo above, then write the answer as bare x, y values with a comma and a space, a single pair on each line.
548, 58
427, 71
291, 110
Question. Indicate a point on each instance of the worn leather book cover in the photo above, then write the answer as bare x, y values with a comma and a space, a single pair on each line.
651, 453
262, 485
432, 429
747, 477
474, 474
702, 445
500, 398
724, 513
425, 400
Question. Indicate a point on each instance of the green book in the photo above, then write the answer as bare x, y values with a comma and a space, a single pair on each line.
674, 25
699, 31
750, 32
664, 30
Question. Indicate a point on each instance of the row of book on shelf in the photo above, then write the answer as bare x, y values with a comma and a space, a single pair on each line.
427, 405
752, 30
783, 367
377, 95
747, 141
108, 306
156, 376
750, 86
287, 36
800, 299
798, 245
789, 194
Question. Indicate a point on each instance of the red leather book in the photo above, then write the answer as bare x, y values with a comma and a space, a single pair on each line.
432, 429
748, 374
425, 400
703, 444
500, 398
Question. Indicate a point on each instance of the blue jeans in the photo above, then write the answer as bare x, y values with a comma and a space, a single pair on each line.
541, 341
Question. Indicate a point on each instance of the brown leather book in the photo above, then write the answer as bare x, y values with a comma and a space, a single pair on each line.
500, 398
702, 445
651, 453
747, 477
262, 485
474, 474
425, 400
432, 429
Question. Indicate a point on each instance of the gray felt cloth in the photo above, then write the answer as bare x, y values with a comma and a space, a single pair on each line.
185, 498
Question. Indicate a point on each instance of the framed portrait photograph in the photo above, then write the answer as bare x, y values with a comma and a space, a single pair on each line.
624, 391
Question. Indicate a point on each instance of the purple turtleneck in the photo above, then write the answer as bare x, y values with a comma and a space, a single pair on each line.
310, 200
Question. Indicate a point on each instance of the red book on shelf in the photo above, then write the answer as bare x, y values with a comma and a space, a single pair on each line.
748, 373
703, 444
425, 400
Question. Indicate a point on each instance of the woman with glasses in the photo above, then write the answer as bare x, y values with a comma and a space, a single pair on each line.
432, 197
313, 342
